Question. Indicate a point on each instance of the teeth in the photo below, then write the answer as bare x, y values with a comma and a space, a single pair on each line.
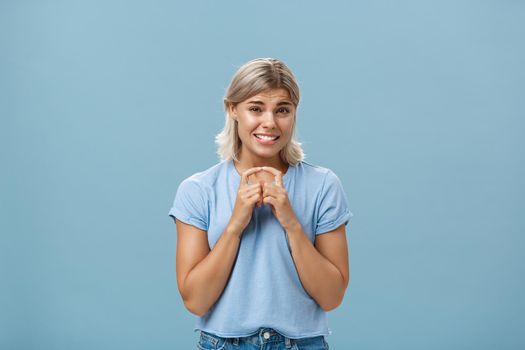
269, 138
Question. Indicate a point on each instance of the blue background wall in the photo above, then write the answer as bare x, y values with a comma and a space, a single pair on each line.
417, 106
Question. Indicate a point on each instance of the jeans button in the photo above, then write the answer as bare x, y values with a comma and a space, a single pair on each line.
266, 335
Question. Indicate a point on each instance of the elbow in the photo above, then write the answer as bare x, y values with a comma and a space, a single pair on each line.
331, 306
335, 301
197, 310
189, 303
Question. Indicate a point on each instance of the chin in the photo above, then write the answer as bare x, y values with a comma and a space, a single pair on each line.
266, 155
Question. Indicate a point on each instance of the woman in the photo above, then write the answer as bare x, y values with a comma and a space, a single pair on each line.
261, 243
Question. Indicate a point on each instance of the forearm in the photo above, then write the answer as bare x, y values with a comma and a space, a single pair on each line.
207, 280
321, 279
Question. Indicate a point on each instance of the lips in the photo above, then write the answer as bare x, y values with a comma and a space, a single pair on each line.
266, 137
266, 140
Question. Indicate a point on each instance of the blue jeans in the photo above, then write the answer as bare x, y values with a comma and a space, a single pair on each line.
264, 339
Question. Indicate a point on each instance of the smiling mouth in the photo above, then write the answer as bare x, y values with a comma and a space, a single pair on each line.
266, 138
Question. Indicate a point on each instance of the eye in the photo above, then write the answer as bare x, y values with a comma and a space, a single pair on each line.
283, 110
254, 109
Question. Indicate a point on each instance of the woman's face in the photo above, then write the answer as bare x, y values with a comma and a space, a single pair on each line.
265, 122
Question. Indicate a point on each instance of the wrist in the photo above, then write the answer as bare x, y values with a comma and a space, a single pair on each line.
294, 226
233, 229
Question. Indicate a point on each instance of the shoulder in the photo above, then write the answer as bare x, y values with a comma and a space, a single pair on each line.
205, 179
315, 173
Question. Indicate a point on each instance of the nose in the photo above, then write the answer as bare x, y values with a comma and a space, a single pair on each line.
268, 120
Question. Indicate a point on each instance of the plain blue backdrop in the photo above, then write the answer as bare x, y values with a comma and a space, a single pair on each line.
418, 106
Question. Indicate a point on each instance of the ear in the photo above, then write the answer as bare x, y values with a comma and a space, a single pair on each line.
232, 111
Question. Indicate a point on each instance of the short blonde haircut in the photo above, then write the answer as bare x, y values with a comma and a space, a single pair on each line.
252, 78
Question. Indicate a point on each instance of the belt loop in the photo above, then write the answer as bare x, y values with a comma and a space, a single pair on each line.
287, 342
236, 341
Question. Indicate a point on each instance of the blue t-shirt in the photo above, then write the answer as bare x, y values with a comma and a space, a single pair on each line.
264, 289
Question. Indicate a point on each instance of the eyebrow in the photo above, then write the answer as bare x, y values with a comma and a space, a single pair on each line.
257, 102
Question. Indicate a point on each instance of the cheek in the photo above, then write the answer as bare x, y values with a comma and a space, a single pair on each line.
243, 128
245, 132
287, 127
247, 126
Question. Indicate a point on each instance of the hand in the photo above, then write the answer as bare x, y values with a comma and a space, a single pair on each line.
277, 197
248, 195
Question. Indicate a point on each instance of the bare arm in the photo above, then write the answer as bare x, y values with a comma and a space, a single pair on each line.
323, 269
202, 274
323, 266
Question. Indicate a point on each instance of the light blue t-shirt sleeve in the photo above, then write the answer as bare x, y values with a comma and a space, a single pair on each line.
333, 205
190, 204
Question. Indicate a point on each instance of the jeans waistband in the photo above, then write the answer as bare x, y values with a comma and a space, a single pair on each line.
264, 335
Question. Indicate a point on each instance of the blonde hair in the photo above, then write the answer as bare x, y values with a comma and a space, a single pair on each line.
252, 78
